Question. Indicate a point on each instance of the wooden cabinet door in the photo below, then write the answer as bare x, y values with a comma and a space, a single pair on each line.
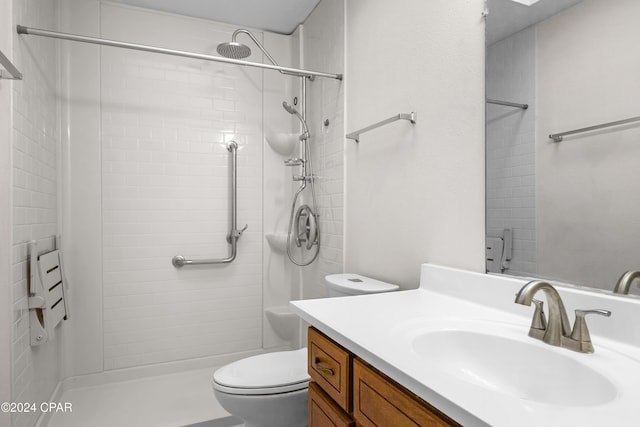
377, 402
330, 367
323, 412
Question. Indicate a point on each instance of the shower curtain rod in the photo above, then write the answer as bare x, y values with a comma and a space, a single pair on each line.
114, 43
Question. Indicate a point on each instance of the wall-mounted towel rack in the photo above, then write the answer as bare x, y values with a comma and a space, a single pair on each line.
11, 72
234, 233
557, 137
412, 117
507, 103
47, 302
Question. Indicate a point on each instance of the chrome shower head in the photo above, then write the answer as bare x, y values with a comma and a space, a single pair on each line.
233, 50
289, 108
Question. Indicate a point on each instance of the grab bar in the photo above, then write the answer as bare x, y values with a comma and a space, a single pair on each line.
412, 117
234, 233
557, 137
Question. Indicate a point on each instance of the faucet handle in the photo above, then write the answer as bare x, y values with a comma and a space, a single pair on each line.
539, 320
580, 331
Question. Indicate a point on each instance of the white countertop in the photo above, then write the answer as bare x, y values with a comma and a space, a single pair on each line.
379, 329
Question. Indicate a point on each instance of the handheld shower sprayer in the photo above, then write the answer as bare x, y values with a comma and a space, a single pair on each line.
289, 108
294, 111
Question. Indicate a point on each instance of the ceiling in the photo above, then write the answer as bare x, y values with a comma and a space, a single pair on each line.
507, 17
279, 16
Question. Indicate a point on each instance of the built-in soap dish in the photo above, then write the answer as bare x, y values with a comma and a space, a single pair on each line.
277, 241
283, 143
283, 321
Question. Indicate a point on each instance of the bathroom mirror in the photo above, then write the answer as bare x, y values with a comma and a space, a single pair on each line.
570, 210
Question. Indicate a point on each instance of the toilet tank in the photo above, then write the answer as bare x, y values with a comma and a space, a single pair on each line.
346, 284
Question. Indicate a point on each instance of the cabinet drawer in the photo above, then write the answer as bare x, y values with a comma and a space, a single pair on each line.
379, 401
323, 412
330, 367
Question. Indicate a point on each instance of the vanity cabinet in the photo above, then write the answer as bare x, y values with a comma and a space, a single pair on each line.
324, 412
347, 391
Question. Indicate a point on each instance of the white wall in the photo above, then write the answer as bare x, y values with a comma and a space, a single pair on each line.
323, 47
6, 318
587, 185
415, 194
511, 76
36, 136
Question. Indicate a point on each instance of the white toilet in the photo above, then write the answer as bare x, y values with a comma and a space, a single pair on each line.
270, 390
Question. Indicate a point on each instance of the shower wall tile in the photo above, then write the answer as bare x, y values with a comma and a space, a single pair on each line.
165, 168
36, 130
324, 50
511, 147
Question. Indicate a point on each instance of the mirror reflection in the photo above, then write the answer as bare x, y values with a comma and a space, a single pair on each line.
569, 209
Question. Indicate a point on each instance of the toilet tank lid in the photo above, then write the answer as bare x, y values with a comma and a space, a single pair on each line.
355, 283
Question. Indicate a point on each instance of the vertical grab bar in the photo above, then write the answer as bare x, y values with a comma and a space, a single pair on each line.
234, 233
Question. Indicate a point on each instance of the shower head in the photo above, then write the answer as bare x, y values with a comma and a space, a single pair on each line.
289, 108
233, 50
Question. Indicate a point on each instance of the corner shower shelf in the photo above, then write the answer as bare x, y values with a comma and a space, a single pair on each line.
11, 72
282, 143
412, 117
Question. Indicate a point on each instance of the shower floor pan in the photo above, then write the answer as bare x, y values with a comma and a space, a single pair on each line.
171, 400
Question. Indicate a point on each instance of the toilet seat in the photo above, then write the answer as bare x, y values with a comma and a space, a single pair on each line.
270, 373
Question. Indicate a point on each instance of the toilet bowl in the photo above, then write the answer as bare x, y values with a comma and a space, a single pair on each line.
270, 390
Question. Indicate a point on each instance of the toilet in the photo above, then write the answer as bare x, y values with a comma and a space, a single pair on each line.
270, 390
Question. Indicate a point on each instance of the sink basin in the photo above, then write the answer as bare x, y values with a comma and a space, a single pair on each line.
523, 368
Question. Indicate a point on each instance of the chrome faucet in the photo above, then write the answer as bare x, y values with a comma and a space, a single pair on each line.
556, 330
558, 323
624, 282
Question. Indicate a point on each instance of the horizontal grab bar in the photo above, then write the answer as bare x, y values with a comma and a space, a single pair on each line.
557, 137
412, 117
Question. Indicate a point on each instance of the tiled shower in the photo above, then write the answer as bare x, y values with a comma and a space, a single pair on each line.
123, 154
